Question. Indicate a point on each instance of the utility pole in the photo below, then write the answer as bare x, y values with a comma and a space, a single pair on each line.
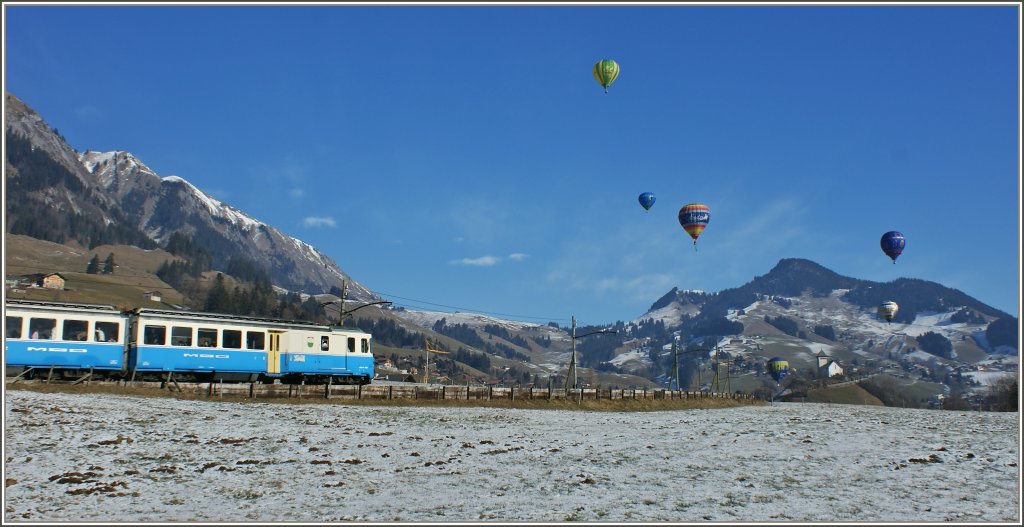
675, 365
344, 294
700, 365
714, 380
341, 304
571, 374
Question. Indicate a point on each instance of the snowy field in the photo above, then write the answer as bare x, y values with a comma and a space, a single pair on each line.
92, 457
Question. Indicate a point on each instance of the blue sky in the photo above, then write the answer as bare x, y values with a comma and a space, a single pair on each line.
464, 156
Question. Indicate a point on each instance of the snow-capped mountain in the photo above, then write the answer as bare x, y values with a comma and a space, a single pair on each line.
113, 194
800, 309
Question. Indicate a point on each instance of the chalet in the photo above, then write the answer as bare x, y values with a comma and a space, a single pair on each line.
52, 281
395, 377
153, 296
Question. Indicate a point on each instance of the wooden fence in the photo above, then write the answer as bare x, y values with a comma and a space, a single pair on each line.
436, 392
401, 391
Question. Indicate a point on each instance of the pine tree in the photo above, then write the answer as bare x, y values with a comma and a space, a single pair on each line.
94, 265
108, 264
218, 299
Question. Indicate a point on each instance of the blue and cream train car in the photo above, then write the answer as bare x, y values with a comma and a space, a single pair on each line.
156, 344
228, 347
67, 337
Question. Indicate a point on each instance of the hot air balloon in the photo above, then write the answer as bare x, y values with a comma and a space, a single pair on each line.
646, 200
778, 368
893, 243
606, 71
887, 310
694, 217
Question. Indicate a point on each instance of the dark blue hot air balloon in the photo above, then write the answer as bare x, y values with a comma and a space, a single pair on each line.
893, 243
646, 200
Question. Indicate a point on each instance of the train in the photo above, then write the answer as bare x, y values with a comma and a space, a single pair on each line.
72, 340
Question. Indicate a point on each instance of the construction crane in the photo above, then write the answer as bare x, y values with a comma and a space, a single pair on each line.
429, 349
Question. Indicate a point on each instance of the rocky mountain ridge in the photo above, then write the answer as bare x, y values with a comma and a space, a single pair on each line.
56, 193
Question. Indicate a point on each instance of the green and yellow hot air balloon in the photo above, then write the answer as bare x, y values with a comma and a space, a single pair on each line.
888, 309
606, 71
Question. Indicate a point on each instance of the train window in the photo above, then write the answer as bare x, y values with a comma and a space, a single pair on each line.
351, 345
154, 335
255, 340
181, 336
76, 330
207, 337
325, 344
41, 328
232, 339
366, 345
14, 327
107, 331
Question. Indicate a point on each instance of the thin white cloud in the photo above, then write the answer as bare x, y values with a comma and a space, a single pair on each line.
89, 112
483, 261
518, 257
313, 221
638, 288
760, 231
297, 192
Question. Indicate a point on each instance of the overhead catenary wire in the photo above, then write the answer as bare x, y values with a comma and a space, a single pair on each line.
389, 295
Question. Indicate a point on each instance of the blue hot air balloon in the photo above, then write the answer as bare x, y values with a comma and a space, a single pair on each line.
778, 368
893, 243
646, 200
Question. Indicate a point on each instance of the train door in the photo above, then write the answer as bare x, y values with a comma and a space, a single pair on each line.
274, 352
